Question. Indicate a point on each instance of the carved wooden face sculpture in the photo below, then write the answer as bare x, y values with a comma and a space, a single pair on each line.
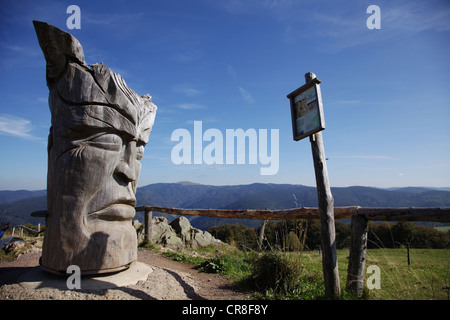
99, 130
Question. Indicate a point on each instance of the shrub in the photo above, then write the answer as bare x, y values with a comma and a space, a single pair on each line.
213, 265
281, 276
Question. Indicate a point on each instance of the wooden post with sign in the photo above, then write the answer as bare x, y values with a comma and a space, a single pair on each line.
327, 228
308, 120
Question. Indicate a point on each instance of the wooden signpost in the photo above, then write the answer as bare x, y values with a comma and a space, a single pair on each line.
307, 109
308, 120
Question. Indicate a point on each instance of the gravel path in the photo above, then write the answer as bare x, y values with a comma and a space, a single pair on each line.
170, 280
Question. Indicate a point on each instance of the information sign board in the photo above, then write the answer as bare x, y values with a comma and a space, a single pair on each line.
307, 110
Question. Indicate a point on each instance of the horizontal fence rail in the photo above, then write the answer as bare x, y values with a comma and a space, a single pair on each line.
359, 227
287, 214
433, 214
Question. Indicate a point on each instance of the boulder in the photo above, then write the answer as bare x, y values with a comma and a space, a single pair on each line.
8, 241
162, 233
202, 238
14, 246
136, 224
176, 235
192, 237
182, 227
171, 241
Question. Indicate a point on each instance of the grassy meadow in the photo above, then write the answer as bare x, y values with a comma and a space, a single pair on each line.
426, 278
298, 275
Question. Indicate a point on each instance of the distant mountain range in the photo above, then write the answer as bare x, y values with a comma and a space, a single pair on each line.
16, 206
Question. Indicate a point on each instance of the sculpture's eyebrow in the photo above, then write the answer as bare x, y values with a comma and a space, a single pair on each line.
88, 119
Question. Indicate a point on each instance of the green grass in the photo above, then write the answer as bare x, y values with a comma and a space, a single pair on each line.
222, 259
424, 279
279, 275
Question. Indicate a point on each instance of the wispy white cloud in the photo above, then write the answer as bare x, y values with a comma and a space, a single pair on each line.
187, 56
110, 19
15, 126
205, 120
333, 27
417, 16
343, 103
367, 157
186, 89
190, 106
247, 96
20, 56
346, 28
253, 6
42, 100
26, 51
231, 72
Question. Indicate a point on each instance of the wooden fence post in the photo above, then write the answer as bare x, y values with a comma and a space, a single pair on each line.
327, 228
261, 235
148, 226
357, 258
408, 245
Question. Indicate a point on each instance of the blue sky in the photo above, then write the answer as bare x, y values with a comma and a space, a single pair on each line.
230, 64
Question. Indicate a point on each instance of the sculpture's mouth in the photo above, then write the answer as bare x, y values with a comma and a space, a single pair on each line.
121, 210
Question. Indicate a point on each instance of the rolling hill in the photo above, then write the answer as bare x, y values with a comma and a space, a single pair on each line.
16, 206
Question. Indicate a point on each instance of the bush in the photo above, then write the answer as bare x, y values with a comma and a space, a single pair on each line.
213, 265
281, 276
387, 235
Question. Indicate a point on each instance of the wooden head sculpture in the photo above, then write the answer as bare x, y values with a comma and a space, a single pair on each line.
97, 138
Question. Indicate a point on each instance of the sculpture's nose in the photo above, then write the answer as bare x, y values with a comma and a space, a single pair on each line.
128, 167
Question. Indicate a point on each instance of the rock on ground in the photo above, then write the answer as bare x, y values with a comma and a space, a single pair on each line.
178, 234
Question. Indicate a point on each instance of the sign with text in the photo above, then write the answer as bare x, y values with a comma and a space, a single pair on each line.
306, 110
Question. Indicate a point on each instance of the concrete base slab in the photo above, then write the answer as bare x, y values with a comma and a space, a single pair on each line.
38, 278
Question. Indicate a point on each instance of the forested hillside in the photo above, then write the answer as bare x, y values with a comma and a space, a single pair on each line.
16, 206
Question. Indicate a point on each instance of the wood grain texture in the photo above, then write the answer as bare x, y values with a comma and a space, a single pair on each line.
97, 138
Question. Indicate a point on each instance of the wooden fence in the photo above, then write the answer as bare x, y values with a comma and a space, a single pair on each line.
359, 226
20, 228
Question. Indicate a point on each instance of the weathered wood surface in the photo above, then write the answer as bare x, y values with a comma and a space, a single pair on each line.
40, 214
285, 214
261, 234
434, 214
148, 225
326, 209
99, 129
357, 257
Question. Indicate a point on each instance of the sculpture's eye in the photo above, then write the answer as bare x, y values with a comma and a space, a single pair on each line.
107, 141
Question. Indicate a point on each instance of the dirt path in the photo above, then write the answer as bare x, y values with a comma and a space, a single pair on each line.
170, 280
